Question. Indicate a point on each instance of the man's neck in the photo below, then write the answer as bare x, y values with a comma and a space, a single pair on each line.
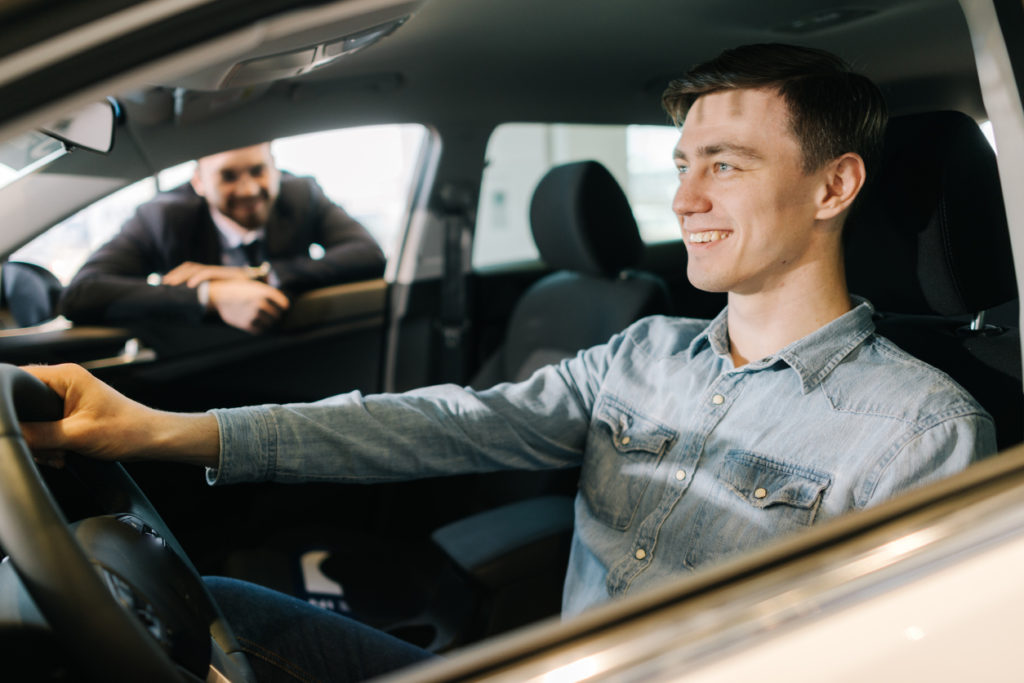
764, 323
233, 233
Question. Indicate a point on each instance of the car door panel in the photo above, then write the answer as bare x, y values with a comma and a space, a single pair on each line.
329, 342
57, 342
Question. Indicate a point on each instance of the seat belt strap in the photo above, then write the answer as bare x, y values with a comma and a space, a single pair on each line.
458, 207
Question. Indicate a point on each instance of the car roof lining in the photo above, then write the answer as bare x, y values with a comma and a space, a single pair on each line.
491, 63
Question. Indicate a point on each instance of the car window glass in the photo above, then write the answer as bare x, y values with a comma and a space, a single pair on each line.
63, 248
519, 154
367, 170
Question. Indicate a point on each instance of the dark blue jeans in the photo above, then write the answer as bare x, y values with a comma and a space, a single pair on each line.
289, 640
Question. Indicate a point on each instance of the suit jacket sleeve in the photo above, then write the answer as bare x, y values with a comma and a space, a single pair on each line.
351, 252
111, 287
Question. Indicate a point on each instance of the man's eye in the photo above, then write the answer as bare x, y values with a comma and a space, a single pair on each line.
722, 167
228, 176
681, 170
257, 171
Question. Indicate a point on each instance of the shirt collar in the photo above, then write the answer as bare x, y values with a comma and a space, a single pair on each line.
233, 235
813, 357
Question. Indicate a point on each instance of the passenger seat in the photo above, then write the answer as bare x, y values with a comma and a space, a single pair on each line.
585, 230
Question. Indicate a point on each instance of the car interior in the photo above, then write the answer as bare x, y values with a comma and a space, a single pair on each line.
450, 562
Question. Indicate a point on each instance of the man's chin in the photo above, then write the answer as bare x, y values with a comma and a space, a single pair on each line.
249, 219
708, 284
251, 212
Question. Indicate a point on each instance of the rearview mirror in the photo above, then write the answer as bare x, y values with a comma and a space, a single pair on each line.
89, 128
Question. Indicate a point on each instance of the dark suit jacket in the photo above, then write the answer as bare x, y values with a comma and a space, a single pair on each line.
176, 226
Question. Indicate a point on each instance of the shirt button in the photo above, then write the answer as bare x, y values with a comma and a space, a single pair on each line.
718, 399
760, 492
625, 441
680, 475
641, 554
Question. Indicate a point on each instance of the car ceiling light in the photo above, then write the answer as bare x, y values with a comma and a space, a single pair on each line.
360, 40
306, 59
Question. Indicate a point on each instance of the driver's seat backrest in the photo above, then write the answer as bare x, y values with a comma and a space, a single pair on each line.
928, 245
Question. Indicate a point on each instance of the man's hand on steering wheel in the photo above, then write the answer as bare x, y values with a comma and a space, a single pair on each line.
103, 423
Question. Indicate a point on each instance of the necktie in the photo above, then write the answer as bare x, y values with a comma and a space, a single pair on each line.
253, 252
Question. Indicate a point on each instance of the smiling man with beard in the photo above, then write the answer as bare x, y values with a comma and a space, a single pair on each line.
235, 243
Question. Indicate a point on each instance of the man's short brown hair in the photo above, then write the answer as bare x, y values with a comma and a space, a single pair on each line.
832, 110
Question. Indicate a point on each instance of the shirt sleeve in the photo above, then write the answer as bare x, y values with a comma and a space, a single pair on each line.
540, 423
350, 251
111, 287
936, 452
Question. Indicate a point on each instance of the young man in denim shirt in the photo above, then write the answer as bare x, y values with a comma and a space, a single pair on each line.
697, 441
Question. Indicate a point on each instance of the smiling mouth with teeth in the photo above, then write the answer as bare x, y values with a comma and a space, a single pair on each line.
708, 236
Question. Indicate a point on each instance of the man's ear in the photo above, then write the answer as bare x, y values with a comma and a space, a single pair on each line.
843, 179
197, 182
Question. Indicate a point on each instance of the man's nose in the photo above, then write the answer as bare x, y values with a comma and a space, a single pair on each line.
691, 196
247, 186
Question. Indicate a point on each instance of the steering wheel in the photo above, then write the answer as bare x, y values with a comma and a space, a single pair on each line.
117, 589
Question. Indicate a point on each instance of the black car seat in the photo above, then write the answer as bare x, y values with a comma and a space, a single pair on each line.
928, 245
584, 229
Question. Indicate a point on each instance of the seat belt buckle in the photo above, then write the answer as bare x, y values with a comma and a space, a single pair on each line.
452, 335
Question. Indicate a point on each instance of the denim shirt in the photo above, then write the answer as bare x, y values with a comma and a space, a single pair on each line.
685, 459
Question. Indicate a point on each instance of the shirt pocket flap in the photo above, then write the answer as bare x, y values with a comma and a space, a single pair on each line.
764, 482
632, 432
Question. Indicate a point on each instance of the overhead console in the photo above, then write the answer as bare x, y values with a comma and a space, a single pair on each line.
295, 62
306, 40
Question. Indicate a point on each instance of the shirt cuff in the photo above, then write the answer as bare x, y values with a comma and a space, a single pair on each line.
203, 293
246, 448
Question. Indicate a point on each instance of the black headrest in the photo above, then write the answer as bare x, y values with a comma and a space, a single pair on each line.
581, 221
929, 234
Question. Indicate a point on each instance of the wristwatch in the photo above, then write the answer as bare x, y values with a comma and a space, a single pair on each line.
260, 272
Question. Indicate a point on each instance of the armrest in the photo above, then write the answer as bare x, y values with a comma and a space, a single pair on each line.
500, 546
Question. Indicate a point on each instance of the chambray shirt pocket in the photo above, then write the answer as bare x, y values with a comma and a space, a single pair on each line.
751, 499
623, 449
